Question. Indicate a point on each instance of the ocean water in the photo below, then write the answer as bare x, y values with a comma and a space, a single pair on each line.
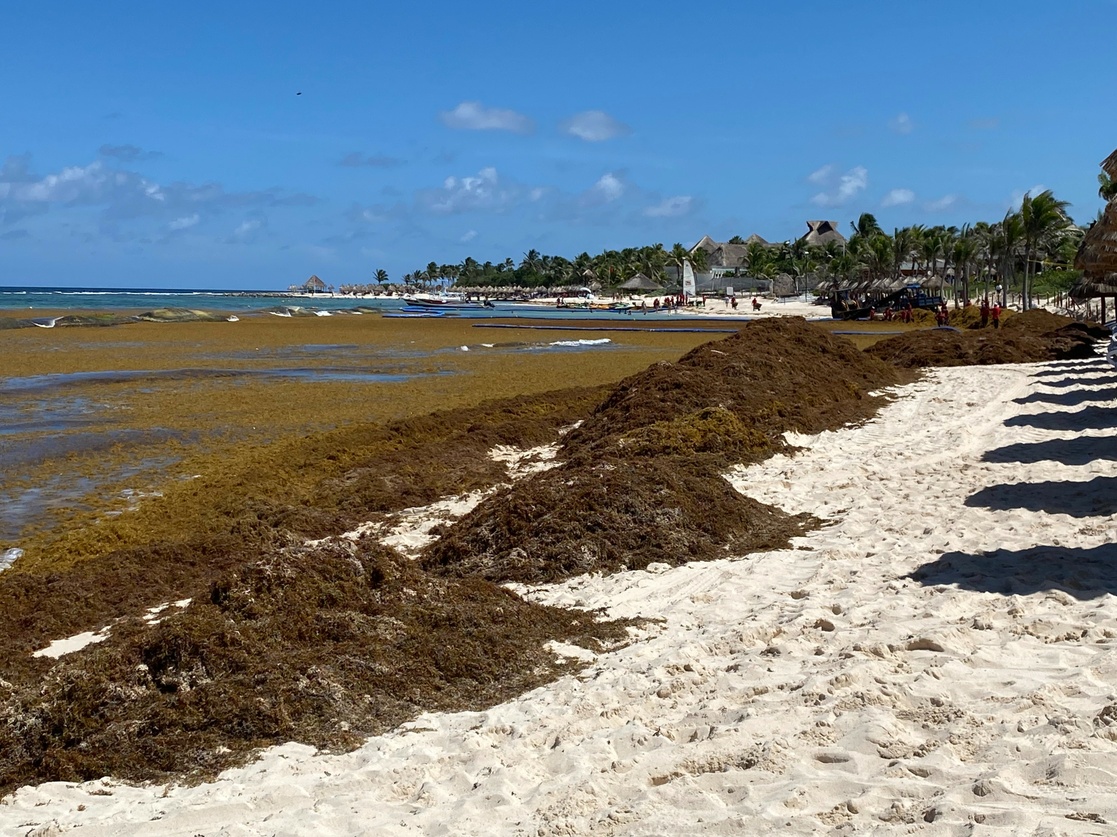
18, 302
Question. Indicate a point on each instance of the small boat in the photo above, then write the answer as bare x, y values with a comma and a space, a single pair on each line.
447, 299
611, 306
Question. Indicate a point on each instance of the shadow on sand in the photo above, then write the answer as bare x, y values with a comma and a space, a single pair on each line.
1080, 451
1071, 368
1082, 573
1066, 399
1081, 381
1093, 498
1088, 418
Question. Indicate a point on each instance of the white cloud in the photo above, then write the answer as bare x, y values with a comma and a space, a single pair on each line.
468, 236
673, 207
536, 194
248, 231
473, 116
821, 175
607, 189
594, 126
945, 202
186, 222
846, 187
483, 191
901, 123
898, 197
123, 195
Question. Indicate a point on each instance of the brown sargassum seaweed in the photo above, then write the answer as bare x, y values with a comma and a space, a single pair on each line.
328, 643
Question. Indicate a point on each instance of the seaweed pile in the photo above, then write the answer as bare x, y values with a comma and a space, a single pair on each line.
328, 642
325, 644
641, 478
1029, 337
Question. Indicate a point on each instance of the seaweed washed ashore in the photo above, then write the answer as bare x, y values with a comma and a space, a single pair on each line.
327, 641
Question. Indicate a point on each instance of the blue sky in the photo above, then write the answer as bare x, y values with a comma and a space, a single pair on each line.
163, 144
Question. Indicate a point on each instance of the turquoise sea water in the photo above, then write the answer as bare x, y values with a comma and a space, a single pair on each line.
24, 302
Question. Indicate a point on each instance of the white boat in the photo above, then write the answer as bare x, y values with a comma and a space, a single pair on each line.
446, 299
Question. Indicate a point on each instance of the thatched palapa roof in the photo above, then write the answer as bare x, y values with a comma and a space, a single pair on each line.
1109, 165
1097, 254
819, 233
640, 282
723, 254
314, 284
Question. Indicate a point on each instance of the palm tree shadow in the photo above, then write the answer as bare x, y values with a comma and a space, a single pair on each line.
1082, 573
1088, 418
1081, 380
1066, 399
1093, 498
1080, 451
1071, 367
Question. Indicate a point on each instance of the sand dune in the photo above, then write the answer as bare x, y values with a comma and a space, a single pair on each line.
939, 659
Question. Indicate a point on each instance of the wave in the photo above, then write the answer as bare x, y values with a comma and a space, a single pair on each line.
577, 343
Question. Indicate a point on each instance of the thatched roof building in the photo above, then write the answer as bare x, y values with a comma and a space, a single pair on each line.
1109, 165
314, 285
722, 256
820, 233
640, 282
1097, 255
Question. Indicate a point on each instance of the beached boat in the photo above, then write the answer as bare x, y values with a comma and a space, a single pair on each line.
447, 299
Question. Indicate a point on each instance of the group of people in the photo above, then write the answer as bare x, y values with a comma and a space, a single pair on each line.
990, 312
942, 315
904, 315
732, 303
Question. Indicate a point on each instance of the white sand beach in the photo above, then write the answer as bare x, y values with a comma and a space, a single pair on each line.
831, 688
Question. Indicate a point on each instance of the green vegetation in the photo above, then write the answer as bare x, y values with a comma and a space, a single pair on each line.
975, 258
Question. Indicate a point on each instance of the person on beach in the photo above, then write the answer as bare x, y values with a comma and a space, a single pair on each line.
733, 303
995, 314
755, 304
984, 312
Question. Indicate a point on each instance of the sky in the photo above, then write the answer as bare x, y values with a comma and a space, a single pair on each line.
249, 145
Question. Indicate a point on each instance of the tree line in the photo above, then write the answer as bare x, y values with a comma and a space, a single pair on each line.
1036, 242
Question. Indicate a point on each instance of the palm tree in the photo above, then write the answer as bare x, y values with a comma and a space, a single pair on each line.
757, 255
866, 226
1043, 220
1107, 187
1004, 248
963, 251
903, 245
530, 261
679, 256
381, 277
879, 255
